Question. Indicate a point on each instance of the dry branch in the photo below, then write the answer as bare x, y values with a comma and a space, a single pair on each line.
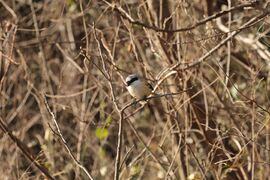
59, 134
126, 16
26, 152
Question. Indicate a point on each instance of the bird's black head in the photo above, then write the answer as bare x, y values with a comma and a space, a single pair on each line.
131, 78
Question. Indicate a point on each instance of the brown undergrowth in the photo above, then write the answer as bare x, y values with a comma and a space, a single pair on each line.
65, 112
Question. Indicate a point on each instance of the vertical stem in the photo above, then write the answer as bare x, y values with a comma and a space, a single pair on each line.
228, 46
119, 145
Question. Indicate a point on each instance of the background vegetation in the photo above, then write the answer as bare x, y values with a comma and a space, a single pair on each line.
63, 97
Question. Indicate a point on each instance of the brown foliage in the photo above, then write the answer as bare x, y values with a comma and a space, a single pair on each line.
63, 96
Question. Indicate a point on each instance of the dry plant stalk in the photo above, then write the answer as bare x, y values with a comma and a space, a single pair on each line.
64, 63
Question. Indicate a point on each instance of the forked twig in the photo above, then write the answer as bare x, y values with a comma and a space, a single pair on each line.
59, 133
119, 143
126, 16
24, 150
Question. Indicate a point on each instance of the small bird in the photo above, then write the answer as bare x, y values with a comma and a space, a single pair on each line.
138, 87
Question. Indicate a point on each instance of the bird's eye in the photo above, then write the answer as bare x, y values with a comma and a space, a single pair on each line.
132, 80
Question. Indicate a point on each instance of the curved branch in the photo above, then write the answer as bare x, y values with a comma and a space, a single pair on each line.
126, 16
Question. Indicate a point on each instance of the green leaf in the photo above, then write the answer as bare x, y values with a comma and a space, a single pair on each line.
101, 133
135, 170
108, 120
101, 153
234, 91
70, 2
261, 29
102, 106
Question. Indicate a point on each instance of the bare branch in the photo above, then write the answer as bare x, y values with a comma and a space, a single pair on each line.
64, 141
126, 16
25, 150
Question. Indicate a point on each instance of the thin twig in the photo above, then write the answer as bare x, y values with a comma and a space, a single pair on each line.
119, 144
24, 150
70, 59
228, 44
64, 141
126, 16
184, 66
197, 160
120, 112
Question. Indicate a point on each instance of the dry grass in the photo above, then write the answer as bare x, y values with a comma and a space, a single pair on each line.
63, 97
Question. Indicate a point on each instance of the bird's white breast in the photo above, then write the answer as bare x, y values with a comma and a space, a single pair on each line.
139, 89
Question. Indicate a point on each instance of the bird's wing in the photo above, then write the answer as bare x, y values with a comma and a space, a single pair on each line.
149, 85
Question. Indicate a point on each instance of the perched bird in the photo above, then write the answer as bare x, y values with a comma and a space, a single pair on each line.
138, 87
